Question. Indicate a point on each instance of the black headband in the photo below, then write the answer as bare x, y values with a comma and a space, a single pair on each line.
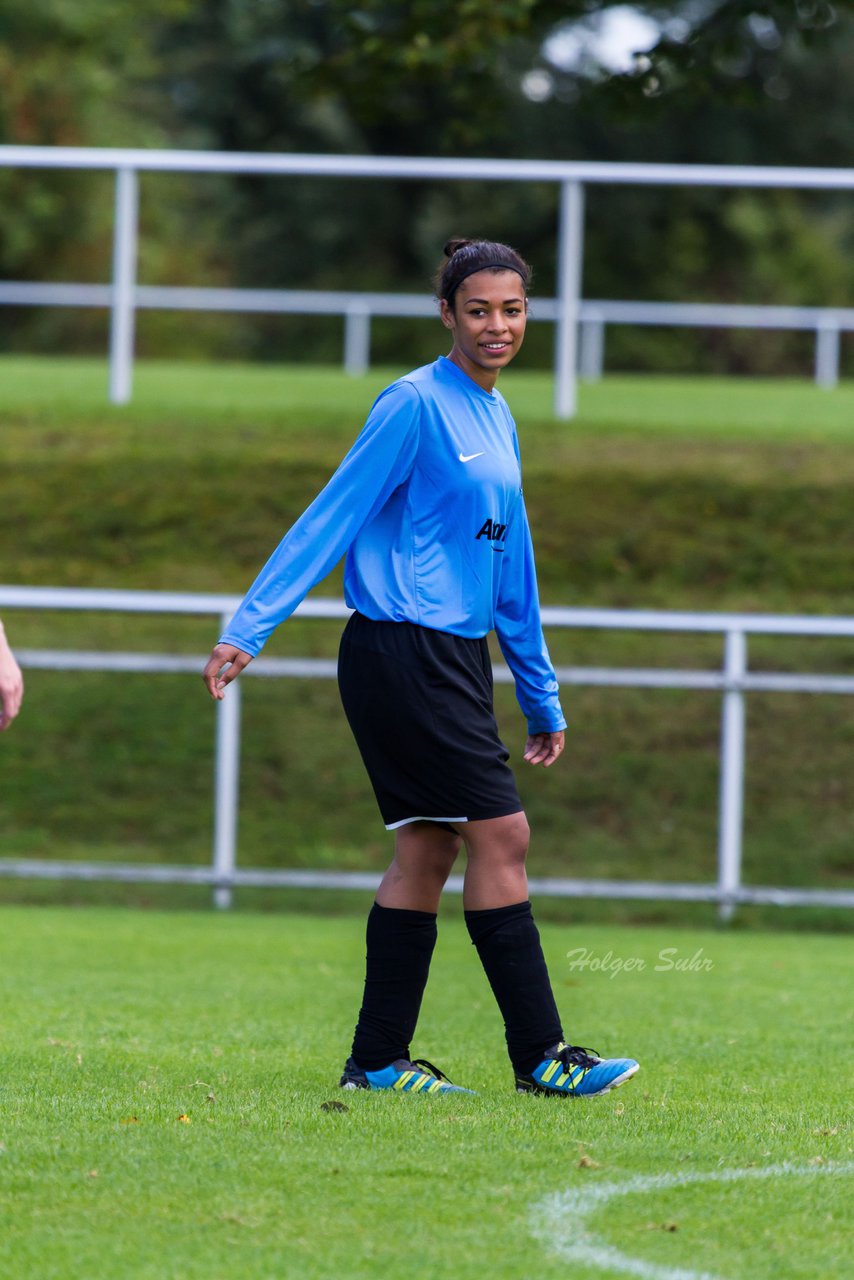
487, 266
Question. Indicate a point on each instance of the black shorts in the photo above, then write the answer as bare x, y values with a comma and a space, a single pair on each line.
419, 703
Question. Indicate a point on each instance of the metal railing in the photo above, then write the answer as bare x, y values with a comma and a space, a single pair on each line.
732, 681
124, 296
358, 309
826, 323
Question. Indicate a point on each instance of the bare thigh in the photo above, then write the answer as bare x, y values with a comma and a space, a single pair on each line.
495, 873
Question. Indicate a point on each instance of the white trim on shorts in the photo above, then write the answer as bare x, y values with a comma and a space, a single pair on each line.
392, 826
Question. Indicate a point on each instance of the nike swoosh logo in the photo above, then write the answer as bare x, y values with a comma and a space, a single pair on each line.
467, 457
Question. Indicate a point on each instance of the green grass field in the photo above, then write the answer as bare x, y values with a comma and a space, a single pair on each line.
164, 1081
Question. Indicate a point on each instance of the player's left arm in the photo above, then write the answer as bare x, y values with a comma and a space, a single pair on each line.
520, 635
544, 748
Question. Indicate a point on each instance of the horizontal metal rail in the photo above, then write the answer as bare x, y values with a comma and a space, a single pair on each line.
332, 302
366, 881
358, 310
459, 169
732, 682
107, 600
327, 669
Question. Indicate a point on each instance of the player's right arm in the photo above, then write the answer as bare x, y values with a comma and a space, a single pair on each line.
381, 459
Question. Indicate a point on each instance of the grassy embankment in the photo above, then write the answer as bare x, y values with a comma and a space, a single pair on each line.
667, 494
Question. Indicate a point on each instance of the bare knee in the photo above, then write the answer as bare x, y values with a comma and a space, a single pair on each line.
495, 875
518, 832
501, 841
514, 837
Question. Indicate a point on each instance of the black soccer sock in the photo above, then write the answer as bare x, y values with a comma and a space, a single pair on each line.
399, 949
509, 947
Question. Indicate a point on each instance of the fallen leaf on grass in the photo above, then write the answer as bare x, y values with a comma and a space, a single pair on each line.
238, 1221
661, 1226
587, 1162
825, 1133
333, 1106
184, 1118
130, 1120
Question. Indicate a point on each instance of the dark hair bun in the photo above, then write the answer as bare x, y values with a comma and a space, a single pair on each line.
453, 245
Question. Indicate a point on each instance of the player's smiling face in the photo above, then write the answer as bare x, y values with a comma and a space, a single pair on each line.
487, 318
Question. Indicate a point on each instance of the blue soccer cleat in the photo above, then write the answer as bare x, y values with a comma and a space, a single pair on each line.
404, 1076
568, 1071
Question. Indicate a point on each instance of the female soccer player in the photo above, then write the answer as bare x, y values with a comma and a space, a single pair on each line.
428, 507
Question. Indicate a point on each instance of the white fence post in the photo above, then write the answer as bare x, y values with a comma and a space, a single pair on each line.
827, 354
124, 285
731, 772
357, 339
591, 360
570, 262
226, 792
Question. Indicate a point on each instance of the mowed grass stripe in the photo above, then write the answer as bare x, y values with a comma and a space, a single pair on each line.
117, 1024
76, 388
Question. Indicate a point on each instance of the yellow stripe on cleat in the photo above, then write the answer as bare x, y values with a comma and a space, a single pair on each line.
553, 1066
437, 1084
419, 1084
403, 1080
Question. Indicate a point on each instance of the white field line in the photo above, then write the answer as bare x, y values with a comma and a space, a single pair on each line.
559, 1221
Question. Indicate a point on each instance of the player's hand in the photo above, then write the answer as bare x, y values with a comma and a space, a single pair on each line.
224, 665
543, 748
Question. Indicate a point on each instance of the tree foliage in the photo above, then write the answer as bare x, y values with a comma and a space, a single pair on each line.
435, 77
721, 81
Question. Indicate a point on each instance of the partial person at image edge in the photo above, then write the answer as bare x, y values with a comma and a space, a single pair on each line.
11, 683
428, 507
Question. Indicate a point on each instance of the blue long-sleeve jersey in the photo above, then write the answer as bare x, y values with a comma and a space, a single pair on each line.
428, 507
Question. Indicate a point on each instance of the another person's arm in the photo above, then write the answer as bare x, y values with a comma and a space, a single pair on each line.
11, 683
